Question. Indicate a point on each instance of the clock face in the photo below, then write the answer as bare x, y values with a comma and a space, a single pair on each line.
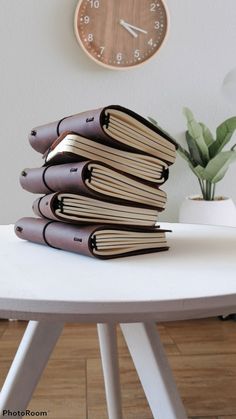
120, 33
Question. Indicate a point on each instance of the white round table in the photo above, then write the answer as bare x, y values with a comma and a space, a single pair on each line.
195, 278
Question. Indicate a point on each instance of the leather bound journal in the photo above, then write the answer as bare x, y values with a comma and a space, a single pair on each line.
99, 241
80, 209
71, 147
114, 126
94, 179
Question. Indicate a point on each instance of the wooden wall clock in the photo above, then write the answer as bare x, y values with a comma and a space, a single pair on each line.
121, 34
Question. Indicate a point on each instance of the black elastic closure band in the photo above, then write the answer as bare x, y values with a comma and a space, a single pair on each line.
39, 210
44, 235
44, 180
59, 123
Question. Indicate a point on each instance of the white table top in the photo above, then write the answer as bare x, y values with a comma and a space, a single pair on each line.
196, 277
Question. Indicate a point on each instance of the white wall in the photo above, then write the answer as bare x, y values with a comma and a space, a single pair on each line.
44, 75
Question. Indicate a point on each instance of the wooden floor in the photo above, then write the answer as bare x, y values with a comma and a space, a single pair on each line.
202, 354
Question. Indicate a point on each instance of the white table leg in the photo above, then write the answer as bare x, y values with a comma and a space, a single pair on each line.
110, 363
153, 369
30, 360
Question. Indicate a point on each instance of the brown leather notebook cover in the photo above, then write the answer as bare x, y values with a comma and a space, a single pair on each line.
81, 209
99, 241
94, 179
114, 126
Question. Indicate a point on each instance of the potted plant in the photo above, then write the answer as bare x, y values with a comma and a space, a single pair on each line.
209, 161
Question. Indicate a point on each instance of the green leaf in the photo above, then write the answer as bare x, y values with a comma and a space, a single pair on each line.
207, 135
224, 133
196, 132
153, 121
188, 114
218, 166
199, 171
184, 154
193, 150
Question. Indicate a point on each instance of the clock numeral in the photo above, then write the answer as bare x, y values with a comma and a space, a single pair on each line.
150, 42
119, 57
137, 53
101, 50
153, 7
94, 3
86, 19
90, 37
157, 24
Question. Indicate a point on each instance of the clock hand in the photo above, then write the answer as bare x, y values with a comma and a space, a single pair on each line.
126, 26
134, 27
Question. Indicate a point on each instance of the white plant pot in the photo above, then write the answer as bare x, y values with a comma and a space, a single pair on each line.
198, 211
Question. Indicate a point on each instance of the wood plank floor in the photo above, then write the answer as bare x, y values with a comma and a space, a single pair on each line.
202, 354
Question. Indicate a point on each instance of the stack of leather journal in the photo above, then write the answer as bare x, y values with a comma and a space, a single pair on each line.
100, 184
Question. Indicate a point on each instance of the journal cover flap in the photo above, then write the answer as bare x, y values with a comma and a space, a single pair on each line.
68, 177
54, 234
42, 137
